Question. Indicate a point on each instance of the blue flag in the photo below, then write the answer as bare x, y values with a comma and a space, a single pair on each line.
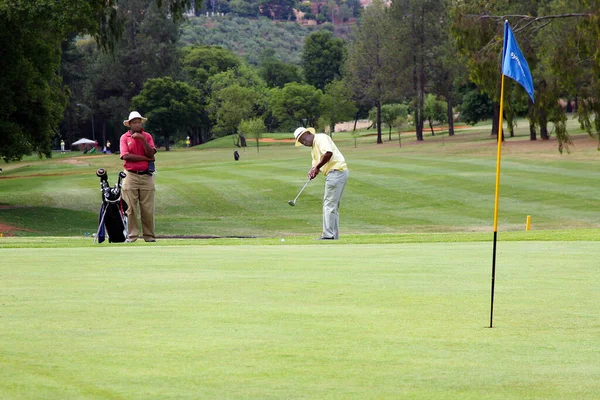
514, 64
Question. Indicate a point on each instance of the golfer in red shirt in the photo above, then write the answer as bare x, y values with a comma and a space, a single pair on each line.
137, 151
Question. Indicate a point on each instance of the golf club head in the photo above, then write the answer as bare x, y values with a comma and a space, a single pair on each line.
101, 173
122, 175
292, 203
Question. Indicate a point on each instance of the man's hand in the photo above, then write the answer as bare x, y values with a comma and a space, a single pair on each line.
314, 171
137, 135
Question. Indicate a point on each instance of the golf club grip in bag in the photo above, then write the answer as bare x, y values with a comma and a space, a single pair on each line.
112, 220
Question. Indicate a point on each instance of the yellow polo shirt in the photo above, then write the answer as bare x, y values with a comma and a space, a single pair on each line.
323, 144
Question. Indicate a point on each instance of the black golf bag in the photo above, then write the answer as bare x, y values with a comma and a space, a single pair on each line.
236, 155
112, 220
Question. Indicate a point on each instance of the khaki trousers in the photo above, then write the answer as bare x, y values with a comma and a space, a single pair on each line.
335, 182
138, 190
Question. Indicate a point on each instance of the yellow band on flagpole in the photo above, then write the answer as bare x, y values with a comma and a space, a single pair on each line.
498, 157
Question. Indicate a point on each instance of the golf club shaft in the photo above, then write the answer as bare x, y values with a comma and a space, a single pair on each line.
301, 190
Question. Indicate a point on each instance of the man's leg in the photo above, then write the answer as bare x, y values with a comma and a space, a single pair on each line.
335, 182
131, 196
147, 191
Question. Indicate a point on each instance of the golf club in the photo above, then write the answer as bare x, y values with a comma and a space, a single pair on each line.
293, 202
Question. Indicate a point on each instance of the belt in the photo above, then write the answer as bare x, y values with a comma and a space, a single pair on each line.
146, 172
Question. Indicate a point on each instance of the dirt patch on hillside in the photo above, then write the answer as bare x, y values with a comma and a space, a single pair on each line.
38, 175
73, 161
9, 230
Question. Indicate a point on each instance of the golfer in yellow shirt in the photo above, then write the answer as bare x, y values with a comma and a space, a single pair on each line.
326, 158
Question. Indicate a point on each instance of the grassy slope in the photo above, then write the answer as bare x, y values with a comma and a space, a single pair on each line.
396, 315
320, 321
441, 185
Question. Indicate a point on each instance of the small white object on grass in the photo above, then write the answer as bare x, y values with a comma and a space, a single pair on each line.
283, 240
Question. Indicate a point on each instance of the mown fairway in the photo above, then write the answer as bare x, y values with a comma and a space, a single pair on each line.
309, 321
441, 185
398, 308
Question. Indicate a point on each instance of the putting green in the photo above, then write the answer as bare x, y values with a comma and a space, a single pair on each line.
343, 321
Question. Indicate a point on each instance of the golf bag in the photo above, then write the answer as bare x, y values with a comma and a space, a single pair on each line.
112, 220
236, 155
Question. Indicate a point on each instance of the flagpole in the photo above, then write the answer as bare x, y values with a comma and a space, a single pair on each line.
514, 66
498, 158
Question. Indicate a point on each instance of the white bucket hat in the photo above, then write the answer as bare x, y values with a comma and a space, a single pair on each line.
300, 131
134, 115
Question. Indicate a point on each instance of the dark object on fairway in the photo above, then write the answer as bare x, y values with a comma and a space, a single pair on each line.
293, 202
236, 155
112, 219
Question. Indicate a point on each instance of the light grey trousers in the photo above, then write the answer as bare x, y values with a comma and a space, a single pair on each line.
335, 182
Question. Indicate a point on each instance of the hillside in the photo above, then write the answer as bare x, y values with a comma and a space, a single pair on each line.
248, 38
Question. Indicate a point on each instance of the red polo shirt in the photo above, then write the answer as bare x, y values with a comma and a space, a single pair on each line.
129, 145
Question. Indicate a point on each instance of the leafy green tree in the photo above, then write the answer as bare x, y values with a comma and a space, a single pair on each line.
146, 50
480, 41
296, 105
245, 8
569, 67
446, 72
516, 104
355, 7
171, 108
476, 106
276, 73
368, 60
277, 9
400, 122
244, 75
434, 110
477, 28
420, 25
253, 128
230, 106
33, 95
236, 95
337, 104
321, 18
322, 58
390, 114
201, 62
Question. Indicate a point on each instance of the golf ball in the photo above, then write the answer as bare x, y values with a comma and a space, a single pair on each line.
283, 240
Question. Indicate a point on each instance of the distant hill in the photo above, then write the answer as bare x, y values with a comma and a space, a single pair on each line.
248, 38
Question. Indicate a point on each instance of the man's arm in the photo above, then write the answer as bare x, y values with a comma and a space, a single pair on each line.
135, 157
314, 171
148, 150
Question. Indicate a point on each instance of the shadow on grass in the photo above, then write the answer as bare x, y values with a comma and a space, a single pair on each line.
46, 221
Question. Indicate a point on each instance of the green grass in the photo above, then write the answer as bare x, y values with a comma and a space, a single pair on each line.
398, 308
440, 185
314, 321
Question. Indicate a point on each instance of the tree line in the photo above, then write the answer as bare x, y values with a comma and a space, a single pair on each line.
414, 62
